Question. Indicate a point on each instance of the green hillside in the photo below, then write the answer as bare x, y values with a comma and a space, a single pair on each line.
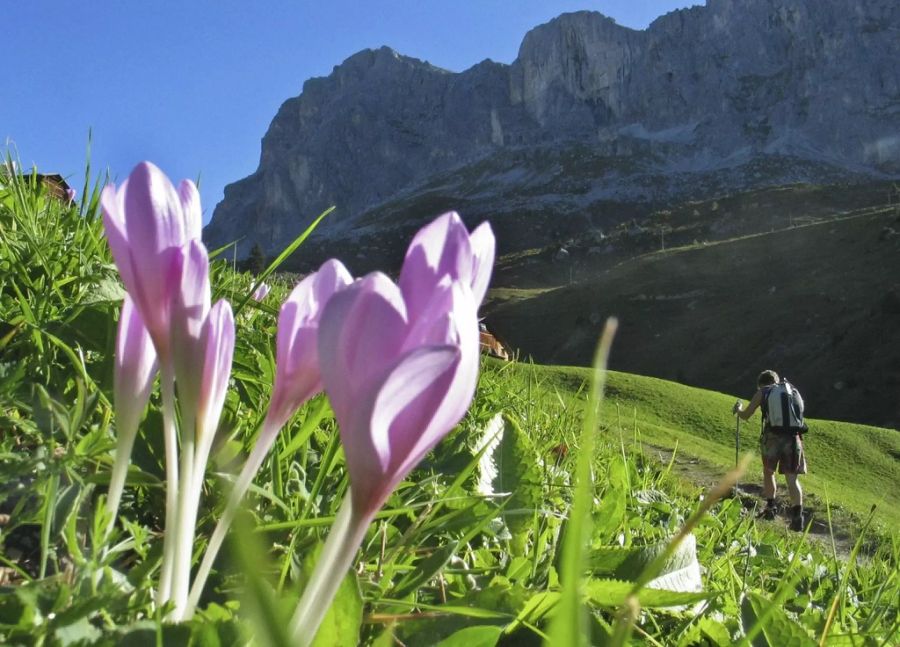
819, 303
851, 465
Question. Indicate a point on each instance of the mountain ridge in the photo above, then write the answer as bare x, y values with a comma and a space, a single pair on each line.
700, 88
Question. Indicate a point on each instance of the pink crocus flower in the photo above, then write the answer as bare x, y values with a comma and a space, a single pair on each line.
297, 376
70, 195
396, 385
261, 292
297, 379
216, 350
190, 307
444, 247
215, 368
146, 222
153, 231
135, 368
400, 366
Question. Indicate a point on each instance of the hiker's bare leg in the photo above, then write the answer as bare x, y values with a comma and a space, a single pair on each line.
794, 489
768, 489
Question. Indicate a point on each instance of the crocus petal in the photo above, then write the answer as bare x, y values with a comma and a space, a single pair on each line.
116, 236
297, 375
304, 305
433, 325
331, 277
261, 292
134, 369
218, 340
190, 307
153, 215
445, 248
458, 325
361, 334
483, 251
440, 248
146, 226
190, 208
387, 435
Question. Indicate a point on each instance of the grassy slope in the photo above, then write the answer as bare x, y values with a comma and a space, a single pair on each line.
56, 450
813, 302
852, 465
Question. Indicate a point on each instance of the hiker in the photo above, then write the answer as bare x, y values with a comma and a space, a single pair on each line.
780, 442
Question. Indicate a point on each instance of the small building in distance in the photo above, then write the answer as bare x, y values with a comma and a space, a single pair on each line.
53, 183
490, 345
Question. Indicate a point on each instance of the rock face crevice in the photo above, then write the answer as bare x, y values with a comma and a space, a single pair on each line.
700, 90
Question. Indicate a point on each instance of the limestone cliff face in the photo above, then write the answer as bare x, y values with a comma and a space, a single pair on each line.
701, 90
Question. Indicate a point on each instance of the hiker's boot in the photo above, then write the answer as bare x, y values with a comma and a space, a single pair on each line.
769, 511
799, 517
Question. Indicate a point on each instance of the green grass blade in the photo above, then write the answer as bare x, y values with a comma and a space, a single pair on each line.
569, 625
274, 265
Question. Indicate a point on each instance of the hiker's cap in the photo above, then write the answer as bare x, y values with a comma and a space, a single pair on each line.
767, 378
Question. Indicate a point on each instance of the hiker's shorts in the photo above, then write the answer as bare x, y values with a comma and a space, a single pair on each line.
783, 452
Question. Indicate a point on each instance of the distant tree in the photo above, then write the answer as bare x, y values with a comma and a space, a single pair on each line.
256, 261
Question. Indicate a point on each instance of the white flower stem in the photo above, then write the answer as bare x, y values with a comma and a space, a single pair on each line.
125, 435
188, 503
344, 538
170, 436
266, 438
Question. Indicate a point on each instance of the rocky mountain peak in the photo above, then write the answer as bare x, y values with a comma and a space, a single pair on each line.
701, 93
583, 56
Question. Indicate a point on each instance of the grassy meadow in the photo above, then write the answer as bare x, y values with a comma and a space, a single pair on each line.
527, 525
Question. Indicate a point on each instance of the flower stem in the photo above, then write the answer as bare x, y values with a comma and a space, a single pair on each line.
170, 436
241, 485
344, 538
124, 444
188, 503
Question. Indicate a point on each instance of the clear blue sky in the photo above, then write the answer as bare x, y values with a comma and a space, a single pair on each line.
193, 85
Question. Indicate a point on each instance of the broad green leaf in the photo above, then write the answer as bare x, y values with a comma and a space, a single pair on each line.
80, 632
613, 593
270, 626
64, 506
107, 290
342, 622
538, 606
19, 607
611, 511
715, 632
850, 640
481, 636
485, 442
629, 563
385, 638
517, 474
777, 629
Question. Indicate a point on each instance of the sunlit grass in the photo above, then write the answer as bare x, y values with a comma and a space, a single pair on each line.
444, 560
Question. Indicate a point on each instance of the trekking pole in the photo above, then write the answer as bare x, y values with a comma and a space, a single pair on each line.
737, 444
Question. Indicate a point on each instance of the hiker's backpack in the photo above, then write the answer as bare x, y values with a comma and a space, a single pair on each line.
782, 408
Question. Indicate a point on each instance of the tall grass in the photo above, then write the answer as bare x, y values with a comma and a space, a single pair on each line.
471, 549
